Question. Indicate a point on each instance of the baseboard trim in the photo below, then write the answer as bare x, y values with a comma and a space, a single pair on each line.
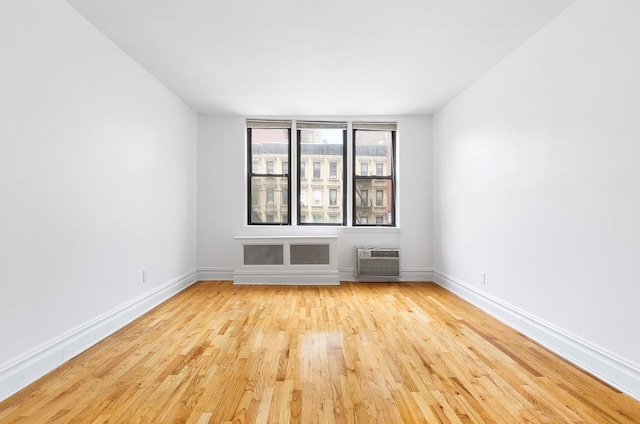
406, 274
607, 366
215, 274
23, 370
316, 278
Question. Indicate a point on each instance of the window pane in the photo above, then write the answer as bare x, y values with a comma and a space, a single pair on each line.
373, 187
374, 146
379, 197
333, 170
317, 197
324, 150
379, 168
302, 170
268, 195
366, 207
267, 205
364, 168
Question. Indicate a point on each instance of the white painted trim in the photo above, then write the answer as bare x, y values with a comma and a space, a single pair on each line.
283, 277
603, 364
23, 370
406, 274
215, 274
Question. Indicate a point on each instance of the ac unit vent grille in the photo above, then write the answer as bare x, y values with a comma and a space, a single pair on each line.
378, 262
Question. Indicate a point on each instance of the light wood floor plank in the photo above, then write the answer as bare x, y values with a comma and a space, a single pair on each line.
354, 353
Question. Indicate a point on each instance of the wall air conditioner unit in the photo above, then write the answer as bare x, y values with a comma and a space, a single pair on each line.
378, 262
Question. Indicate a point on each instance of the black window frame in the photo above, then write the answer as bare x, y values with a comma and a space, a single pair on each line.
391, 176
343, 180
251, 174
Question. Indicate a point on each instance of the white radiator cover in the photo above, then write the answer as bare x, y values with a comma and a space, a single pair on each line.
377, 262
290, 260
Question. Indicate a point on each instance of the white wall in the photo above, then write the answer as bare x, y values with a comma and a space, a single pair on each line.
97, 182
222, 199
536, 173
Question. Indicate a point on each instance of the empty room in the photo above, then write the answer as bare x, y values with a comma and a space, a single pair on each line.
337, 212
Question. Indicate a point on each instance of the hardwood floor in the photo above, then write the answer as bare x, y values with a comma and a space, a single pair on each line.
359, 352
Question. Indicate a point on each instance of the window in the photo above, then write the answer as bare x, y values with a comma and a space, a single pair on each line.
379, 197
268, 141
374, 142
333, 197
364, 197
317, 197
320, 197
333, 170
323, 145
364, 168
303, 197
270, 192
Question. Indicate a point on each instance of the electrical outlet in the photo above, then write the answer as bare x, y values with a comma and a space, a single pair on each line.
144, 275
483, 279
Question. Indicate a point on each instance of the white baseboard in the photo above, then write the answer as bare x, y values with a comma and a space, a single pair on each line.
215, 274
607, 366
315, 278
35, 363
406, 274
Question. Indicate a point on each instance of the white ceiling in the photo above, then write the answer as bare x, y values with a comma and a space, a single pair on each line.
328, 57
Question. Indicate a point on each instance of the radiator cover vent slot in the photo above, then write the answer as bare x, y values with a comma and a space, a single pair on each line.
378, 262
263, 254
309, 254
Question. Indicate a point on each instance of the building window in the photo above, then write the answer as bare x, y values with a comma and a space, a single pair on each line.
303, 197
268, 141
333, 217
285, 196
323, 143
333, 197
302, 170
379, 219
285, 167
374, 142
364, 197
333, 170
270, 192
364, 168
